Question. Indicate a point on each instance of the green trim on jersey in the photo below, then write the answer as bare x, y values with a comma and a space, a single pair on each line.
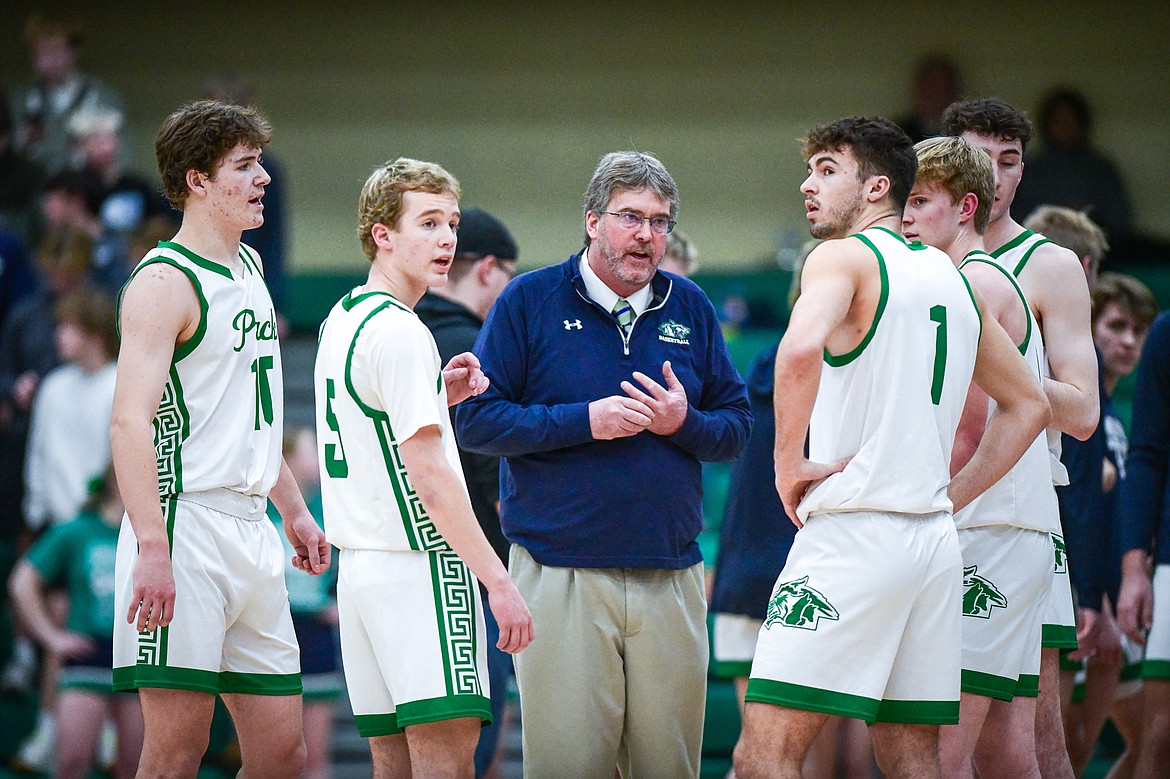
988, 685
351, 300
1058, 637
849, 357
186, 348
455, 592
202, 262
973, 257
916, 246
421, 533
798, 696
1028, 686
975, 303
1013, 243
250, 263
1019, 239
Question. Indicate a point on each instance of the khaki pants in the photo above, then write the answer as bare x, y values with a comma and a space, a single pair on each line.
617, 674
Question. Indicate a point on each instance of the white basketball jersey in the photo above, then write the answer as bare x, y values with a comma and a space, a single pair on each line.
1013, 256
1024, 497
893, 403
378, 381
221, 417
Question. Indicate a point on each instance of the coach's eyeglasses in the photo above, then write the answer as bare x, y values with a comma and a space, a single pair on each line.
631, 221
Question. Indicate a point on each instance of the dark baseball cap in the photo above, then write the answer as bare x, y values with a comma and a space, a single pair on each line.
481, 234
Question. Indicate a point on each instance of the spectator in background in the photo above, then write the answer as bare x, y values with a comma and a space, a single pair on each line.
270, 239
69, 201
1143, 607
27, 352
1123, 309
20, 180
41, 110
69, 433
1068, 171
681, 256
119, 199
937, 84
485, 260
79, 557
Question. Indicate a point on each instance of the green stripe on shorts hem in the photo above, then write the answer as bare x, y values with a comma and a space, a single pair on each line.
797, 696
988, 685
371, 725
445, 708
1028, 686
1058, 637
919, 712
1156, 669
1130, 672
1071, 665
259, 684
133, 677
731, 669
420, 712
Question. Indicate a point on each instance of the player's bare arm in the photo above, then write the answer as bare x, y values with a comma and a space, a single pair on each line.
447, 503
1055, 284
1001, 302
159, 312
1021, 412
1135, 601
825, 314
312, 551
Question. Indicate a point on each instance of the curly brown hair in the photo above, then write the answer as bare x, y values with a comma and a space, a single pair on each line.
198, 135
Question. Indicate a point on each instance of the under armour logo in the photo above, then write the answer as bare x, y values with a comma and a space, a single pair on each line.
570, 325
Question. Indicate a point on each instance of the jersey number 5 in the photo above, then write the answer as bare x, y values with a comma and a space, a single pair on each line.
335, 464
938, 315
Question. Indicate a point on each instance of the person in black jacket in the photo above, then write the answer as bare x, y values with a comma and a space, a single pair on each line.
485, 261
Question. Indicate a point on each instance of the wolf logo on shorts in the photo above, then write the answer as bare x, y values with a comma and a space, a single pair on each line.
1061, 554
796, 605
980, 596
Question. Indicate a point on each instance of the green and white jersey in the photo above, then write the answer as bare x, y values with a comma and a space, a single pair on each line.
221, 417
378, 381
1013, 256
893, 403
1024, 497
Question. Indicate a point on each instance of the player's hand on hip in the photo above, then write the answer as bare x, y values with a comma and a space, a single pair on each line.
794, 480
617, 417
153, 602
464, 378
513, 617
311, 550
668, 403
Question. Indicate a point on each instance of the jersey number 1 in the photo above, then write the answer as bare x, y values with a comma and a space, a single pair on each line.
938, 315
260, 368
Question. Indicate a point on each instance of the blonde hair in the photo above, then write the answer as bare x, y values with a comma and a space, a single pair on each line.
959, 168
381, 198
1072, 229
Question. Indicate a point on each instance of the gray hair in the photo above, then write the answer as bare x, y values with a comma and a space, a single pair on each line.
622, 171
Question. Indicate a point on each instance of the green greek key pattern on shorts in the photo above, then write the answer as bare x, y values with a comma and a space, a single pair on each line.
171, 425
455, 607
